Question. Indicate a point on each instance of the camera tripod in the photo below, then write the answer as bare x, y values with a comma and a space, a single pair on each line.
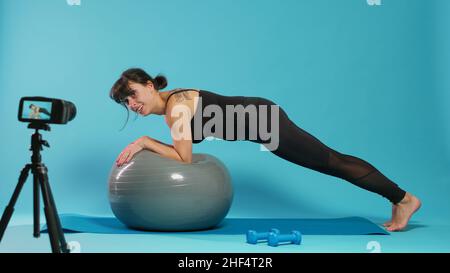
40, 183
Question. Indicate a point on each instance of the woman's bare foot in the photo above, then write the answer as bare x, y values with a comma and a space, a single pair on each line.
402, 212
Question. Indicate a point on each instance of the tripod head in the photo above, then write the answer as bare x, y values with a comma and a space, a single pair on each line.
39, 126
37, 141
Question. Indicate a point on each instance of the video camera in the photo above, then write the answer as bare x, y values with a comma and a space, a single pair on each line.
46, 110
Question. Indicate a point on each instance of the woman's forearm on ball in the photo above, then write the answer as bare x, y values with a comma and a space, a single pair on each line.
161, 148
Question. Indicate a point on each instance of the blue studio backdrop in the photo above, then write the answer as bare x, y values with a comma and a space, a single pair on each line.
367, 80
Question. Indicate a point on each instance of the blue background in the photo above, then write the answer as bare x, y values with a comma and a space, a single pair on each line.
369, 81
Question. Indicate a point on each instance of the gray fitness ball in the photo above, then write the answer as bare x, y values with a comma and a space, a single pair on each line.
155, 193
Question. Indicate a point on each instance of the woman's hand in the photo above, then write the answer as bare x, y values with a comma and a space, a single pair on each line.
127, 154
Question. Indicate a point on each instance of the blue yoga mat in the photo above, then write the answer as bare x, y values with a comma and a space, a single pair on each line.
76, 223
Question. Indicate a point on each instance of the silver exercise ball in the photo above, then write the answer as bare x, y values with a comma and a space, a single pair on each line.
155, 193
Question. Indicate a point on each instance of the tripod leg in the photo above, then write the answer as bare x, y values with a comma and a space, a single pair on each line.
36, 207
49, 217
61, 237
10, 208
56, 234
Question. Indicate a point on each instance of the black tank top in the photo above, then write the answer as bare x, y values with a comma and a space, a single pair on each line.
201, 117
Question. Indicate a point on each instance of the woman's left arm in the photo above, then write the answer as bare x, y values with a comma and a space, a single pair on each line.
178, 117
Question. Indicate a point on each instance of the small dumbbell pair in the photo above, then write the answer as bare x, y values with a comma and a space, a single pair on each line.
274, 238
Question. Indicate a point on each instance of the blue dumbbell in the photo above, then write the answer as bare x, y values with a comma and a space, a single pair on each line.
253, 236
294, 238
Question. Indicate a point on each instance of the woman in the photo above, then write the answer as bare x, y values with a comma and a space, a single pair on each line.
138, 91
35, 112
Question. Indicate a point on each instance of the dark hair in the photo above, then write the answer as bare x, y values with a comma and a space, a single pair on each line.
121, 89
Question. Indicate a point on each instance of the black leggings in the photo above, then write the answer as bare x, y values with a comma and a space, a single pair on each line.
301, 148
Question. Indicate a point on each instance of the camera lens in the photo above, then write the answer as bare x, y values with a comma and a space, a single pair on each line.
71, 110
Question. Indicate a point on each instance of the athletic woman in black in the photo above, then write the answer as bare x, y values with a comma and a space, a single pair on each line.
190, 115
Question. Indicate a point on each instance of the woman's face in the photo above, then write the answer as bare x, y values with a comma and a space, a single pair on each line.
144, 98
